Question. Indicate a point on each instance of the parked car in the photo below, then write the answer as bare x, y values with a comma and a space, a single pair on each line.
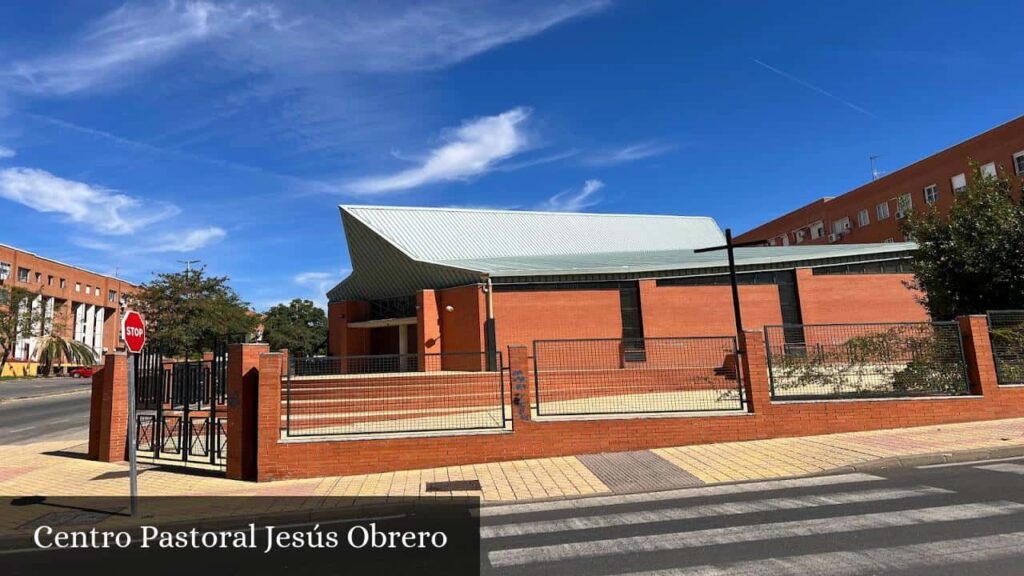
81, 372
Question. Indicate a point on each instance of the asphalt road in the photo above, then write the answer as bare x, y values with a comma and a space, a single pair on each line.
959, 519
37, 387
63, 414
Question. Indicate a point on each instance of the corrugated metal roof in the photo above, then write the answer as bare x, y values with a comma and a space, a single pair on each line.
620, 262
438, 234
397, 251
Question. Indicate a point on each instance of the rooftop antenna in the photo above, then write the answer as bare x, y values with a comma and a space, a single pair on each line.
875, 172
188, 265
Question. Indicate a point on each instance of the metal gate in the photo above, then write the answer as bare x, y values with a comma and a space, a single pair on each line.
1006, 329
181, 407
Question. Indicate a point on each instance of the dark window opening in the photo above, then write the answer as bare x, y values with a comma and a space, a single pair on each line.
632, 322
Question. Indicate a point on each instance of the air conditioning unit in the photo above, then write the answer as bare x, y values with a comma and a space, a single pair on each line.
834, 237
900, 214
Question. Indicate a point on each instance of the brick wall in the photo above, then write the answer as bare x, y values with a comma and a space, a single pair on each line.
534, 438
705, 310
850, 298
522, 317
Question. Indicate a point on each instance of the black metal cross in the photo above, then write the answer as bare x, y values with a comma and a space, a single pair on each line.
728, 247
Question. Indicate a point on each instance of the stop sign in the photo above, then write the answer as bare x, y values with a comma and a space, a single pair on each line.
134, 331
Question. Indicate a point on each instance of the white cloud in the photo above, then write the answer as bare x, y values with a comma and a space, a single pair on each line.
630, 153
574, 200
129, 40
318, 283
293, 39
185, 241
6, 152
189, 241
470, 150
105, 210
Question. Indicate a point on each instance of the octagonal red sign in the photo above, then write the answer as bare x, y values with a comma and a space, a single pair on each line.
133, 330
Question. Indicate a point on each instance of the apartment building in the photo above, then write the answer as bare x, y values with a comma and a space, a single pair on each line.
80, 303
872, 212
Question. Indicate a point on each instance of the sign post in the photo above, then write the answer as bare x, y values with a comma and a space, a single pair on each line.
133, 331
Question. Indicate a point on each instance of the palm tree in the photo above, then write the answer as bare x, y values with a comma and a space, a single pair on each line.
53, 349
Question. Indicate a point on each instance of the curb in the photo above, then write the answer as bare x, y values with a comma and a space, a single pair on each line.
897, 462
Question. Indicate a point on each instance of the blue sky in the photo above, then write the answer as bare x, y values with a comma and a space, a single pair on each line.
134, 135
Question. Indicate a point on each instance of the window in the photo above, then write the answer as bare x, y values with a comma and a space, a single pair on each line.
1018, 162
841, 226
959, 182
931, 194
5, 270
903, 205
49, 280
111, 295
882, 211
88, 289
78, 286
863, 218
22, 274
784, 240
817, 230
39, 278
988, 170
63, 283
800, 235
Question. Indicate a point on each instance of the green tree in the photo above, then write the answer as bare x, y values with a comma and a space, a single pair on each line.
972, 259
54, 349
300, 326
17, 318
186, 312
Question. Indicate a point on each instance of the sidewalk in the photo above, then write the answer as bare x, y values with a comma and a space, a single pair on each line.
60, 468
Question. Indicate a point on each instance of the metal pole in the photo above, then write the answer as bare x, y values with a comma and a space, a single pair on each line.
133, 470
735, 290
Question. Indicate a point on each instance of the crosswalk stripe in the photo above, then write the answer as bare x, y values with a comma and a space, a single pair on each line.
726, 509
685, 493
751, 533
871, 561
1011, 468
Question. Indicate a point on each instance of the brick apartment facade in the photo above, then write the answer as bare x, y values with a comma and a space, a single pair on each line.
83, 303
872, 212
424, 305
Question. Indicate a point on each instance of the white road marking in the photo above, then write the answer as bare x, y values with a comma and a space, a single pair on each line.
944, 553
751, 533
681, 494
1011, 468
726, 509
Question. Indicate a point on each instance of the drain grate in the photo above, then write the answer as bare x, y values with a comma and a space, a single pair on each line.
453, 486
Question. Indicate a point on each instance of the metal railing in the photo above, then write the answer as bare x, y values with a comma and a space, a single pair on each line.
633, 376
836, 361
1006, 330
393, 394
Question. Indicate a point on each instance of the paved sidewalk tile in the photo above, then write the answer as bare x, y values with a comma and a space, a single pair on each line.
59, 469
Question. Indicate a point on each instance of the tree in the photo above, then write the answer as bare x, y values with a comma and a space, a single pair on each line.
17, 317
300, 326
186, 312
54, 349
972, 259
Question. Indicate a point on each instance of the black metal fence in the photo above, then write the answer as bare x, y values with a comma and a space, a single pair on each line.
629, 376
1006, 330
394, 394
835, 361
180, 407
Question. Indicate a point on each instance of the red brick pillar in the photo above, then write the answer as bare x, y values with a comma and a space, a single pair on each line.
755, 372
243, 378
268, 433
519, 376
428, 324
981, 366
95, 411
111, 419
